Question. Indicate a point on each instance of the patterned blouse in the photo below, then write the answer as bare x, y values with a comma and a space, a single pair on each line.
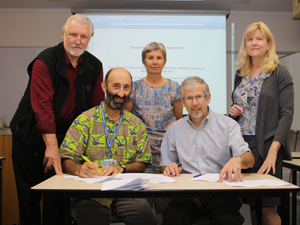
246, 95
86, 136
155, 107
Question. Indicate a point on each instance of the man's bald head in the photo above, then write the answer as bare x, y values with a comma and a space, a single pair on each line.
117, 86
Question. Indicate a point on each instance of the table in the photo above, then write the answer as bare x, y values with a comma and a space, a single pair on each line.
1, 159
296, 155
58, 190
294, 165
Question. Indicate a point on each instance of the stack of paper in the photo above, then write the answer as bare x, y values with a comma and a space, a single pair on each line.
126, 184
125, 181
154, 178
92, 180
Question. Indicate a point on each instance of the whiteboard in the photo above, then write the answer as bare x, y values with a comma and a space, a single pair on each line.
14, 78
292, 63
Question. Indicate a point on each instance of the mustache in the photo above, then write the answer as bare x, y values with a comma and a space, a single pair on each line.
196, 108
117, 96
77, 46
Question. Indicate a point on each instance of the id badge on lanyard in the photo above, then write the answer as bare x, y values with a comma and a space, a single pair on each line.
108, 152
109, 162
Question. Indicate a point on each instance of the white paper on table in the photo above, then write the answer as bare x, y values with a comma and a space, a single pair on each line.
124, 184
130, 176
94, 179
258, 183
157, 179
154, 178
213, 177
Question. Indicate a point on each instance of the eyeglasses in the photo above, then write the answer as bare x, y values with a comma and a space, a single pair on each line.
198, 98
74, 36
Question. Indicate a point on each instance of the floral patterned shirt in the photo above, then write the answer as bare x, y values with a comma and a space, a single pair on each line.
155, 107
86, 136
246, 95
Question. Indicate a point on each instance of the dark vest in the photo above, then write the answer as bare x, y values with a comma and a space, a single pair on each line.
24, 121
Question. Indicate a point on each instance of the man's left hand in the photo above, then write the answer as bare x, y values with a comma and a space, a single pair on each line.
52, 156
52, 159
111, 170
233, 166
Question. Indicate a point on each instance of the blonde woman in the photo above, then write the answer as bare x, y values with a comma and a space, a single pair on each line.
263, 105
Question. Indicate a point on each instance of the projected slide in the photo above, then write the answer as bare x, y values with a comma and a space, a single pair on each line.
195, 45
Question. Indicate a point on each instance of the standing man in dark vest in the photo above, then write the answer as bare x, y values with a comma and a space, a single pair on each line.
64, 81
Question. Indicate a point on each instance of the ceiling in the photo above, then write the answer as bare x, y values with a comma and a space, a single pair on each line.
233, 5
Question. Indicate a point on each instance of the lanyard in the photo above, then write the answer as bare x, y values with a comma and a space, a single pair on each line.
109, 143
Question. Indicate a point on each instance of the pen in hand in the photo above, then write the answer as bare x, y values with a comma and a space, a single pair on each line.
179, 165
89, 161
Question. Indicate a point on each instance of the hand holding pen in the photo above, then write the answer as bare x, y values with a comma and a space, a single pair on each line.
89, 169
172, 170
236, 110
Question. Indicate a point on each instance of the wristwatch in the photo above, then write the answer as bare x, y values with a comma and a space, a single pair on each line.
124, 168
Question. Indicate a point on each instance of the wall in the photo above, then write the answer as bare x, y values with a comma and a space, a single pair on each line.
31, 28
42, 28
24, 33
38, 29
286, 33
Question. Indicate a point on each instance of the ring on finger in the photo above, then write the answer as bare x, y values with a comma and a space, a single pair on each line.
112, 169
269, 166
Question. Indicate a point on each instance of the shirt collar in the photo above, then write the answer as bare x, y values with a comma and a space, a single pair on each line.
204, 122
125, 116
67, 60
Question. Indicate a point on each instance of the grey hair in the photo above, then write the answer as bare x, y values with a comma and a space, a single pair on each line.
81, 19
154, 46
190, 82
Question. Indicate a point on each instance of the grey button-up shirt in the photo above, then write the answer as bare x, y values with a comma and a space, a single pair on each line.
203, 150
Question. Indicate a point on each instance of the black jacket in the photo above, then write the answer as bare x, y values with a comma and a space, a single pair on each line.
274, 112
23, 122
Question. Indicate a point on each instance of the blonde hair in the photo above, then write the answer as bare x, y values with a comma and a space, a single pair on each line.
244, 63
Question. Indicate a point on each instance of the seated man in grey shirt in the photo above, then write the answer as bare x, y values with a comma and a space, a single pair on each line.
204, 142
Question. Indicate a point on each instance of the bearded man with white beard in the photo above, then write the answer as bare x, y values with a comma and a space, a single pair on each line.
64, 81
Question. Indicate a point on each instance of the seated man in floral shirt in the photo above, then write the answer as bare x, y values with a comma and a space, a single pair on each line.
108, 134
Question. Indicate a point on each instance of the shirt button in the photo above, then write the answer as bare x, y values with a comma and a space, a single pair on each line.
199, 146
200, 160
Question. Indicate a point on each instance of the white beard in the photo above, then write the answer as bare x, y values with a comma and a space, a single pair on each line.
77, 52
